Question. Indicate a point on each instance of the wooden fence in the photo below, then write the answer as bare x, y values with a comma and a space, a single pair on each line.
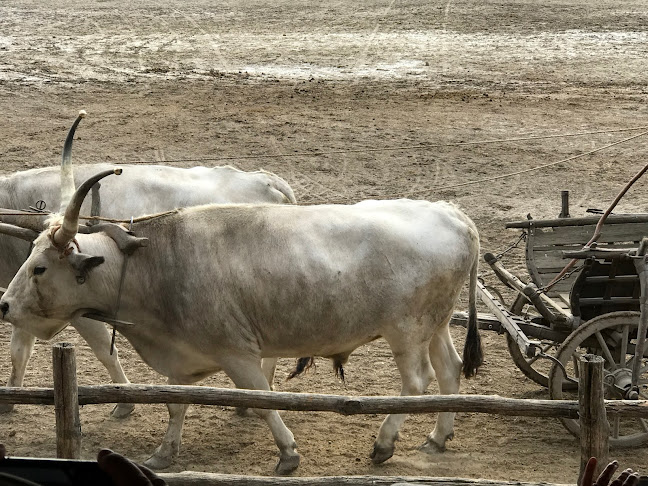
66, 396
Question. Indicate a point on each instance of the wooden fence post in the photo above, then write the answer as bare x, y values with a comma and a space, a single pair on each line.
66, 402
594, 427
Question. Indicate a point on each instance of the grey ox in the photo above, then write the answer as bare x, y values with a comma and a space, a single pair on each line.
221, 286
144, 189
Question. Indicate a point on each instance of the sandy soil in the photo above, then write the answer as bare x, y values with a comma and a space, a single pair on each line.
322, 95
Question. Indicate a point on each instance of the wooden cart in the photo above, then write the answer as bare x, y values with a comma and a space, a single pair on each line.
596, 309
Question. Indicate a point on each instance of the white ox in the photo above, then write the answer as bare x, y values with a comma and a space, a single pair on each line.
221, 286
144, 189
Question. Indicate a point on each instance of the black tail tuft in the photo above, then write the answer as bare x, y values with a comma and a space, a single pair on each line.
473, 356
303, 364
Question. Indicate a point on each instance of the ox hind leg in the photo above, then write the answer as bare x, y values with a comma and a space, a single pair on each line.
246, 372
413, 361
269, 366
447, 365
165, 454
21, 348
99, 339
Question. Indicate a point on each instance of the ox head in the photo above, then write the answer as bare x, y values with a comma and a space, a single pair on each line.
52, 281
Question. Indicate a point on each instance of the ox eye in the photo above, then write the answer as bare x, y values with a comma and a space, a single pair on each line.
39, 270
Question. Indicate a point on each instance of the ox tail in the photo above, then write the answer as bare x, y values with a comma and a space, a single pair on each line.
473, 356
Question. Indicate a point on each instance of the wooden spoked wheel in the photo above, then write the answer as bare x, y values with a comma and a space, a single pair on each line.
612, 336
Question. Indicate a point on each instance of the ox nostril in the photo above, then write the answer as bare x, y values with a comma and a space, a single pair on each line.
4, 307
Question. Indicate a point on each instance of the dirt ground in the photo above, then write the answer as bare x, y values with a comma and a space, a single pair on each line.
347, 101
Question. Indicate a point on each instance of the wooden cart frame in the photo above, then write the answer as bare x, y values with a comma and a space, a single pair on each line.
599, 307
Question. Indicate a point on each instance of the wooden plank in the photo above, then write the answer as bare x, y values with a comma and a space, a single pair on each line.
554, 259
547, 307
509, 321
561, 288
624, 301
315, 402
579, 235
530, 261
625, 246
487, 322
549, 259
193, 478
622, 279
550, 263
587, 220
66, 402
594, 427
344, 405
31, 396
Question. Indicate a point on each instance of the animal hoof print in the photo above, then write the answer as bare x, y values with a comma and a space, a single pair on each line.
381, 454
287, 465
122, 410
431, 447
6, 408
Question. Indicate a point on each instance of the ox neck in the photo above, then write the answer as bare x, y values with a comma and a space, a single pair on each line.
113, 319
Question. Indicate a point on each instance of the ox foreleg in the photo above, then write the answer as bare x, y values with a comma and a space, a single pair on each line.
165, 454
99, 339
416, 373
447, 365
248, 374
21, 348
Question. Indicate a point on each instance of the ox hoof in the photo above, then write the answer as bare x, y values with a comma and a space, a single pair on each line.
6, 407
244, 412
287, 465
158, 462
122, 410
381, 454
431, 447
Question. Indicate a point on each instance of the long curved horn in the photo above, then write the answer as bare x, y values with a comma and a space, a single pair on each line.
67, 174
70, 224
22, 233
24, 219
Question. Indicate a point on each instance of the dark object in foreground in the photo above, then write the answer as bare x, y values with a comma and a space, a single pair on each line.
55, 472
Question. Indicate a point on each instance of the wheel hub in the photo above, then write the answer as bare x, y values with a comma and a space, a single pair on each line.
619, 383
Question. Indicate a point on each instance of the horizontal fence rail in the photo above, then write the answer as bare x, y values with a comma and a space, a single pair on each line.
594, 440
346, 405
211, 479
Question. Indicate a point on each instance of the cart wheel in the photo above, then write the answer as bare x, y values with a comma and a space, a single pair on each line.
537, 369
612, 336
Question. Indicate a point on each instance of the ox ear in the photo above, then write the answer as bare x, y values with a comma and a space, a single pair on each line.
83, 263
